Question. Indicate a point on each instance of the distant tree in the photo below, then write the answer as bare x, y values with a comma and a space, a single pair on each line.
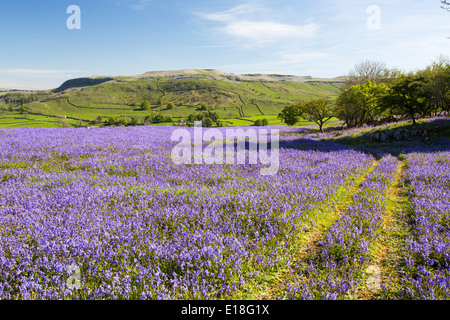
208, 122
148, 120
290, 115
319, 110
265, 122
159, 118
111, 121
121, 122
258, 123
145, 105
213, 115
134, 121
170, 106
192, 118
63, 124
97, 120
203, 107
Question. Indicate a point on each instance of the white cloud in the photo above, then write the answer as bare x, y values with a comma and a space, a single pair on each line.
231, 14
258, 31
265, 32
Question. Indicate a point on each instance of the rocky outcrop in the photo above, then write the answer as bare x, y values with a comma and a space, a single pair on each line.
82, 82
399, 135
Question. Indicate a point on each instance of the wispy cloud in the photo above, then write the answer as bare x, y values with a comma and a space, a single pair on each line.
37, 72
267, 32
302, 56
256, 32
134, 4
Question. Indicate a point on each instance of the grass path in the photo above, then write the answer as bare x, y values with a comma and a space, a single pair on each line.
391, 229
324, 217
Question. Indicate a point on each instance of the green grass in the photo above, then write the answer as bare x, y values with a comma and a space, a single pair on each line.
236, 102
16, 120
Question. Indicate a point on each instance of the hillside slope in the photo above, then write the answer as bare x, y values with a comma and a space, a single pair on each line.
229, 95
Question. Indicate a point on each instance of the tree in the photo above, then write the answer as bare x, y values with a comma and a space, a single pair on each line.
203, 107
159, 118
148, 120
361, 103
192, 118
134, 121
364, 71
265, 122
258, 123
208, 122
409, 96
111, 121
290, 115
319, 110
145, 105
121, 122
437, 84
97, 120
170, 106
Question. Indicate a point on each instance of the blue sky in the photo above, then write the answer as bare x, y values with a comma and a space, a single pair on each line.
321, 38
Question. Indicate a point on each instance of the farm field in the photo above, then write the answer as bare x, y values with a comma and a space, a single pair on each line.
237, 102
108, 205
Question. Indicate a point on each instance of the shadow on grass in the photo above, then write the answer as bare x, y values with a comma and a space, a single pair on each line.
430, 136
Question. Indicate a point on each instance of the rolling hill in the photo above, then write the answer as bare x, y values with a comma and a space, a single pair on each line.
239, 98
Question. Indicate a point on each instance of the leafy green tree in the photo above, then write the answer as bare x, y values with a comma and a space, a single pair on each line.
192, 118
111, 121
437, 84
170, 106
319, 110
148, 120
134, 121
97, 120
208, 122
258, 123
361, 103
121, 122
159, 118
145, 105
203, 107
265, 122
290, 115
409, 96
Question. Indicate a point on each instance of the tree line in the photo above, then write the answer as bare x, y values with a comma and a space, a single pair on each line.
374, 94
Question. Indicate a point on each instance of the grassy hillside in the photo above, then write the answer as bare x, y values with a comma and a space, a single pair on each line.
237, 102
